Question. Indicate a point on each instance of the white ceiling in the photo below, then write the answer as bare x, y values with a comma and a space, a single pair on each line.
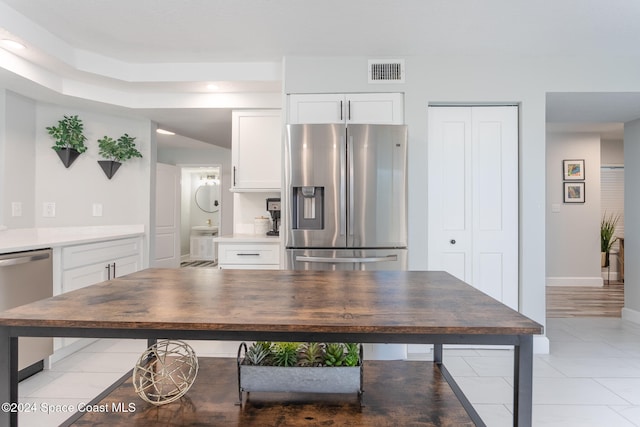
174, 47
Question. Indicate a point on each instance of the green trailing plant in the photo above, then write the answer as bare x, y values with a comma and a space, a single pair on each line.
69, 133
607, 230
118, 150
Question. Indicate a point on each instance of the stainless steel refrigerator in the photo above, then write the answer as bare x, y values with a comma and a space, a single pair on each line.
346, 197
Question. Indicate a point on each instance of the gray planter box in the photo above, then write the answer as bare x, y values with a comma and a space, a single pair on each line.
300, 379
297, 379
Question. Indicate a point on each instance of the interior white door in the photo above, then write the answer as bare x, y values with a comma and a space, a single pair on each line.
167, 216
473, 197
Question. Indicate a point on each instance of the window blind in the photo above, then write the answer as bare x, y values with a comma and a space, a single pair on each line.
612, 196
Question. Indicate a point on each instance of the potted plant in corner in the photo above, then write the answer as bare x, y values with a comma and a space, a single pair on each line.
116, 152
607, 239
69, 139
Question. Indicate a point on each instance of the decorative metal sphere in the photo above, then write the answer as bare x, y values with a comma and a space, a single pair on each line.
165, 372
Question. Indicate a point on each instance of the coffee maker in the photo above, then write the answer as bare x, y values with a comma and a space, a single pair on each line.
273, 206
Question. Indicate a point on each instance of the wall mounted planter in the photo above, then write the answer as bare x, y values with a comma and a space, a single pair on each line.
109, 167
67, 155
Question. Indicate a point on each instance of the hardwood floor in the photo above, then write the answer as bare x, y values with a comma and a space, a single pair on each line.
585, 301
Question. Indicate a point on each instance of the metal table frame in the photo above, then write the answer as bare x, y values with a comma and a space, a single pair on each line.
523, 355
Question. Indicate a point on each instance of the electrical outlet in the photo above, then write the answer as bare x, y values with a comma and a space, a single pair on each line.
49, 209
16, 208
97, 209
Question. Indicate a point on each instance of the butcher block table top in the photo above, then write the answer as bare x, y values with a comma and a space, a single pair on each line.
383, 302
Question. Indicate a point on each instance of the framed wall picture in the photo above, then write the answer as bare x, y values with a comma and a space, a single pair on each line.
574, 192
573, 170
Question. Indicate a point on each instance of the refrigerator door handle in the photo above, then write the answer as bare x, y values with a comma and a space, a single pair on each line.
346, 260
343, 188
351, 185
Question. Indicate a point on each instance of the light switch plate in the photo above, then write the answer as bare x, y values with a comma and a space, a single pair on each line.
49, 209
555, 207
16, 208
97, 209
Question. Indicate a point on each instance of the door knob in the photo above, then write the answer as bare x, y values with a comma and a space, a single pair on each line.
452, 241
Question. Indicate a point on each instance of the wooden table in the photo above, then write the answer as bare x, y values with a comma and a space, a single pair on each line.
370, 307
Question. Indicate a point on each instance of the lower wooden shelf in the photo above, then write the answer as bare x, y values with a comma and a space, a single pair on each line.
396, 393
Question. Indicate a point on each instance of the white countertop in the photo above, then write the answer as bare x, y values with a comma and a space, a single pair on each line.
247, 238
24, 239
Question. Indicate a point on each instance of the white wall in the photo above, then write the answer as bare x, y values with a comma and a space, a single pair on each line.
3, 138
18, 152
125, 198
573, 229
631, 309
611, 152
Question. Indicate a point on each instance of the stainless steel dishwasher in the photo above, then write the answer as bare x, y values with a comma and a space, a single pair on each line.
27, 277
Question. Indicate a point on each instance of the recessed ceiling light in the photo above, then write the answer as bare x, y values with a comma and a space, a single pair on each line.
13, 44
212, 86
165, 132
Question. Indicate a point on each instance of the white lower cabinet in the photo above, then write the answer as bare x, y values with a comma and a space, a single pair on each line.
249, 255
88, 264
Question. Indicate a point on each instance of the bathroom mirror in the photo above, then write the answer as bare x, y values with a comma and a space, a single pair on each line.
208, 198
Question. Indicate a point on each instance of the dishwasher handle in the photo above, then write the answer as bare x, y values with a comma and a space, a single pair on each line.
22, 259
346, 259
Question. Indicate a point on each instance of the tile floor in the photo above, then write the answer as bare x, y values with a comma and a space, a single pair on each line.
590, 378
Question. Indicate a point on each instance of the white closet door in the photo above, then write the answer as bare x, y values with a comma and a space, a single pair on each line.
473, 197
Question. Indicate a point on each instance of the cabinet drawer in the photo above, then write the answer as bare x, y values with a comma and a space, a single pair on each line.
76, 256
253, 253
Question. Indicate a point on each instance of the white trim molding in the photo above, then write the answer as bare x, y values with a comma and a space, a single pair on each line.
631, 315
575, 281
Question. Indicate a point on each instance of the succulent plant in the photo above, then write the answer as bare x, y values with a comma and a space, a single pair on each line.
258, 353
334, 354
311, 354
352, 358
285, 353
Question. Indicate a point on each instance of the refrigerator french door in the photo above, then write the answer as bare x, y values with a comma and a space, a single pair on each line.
346, 196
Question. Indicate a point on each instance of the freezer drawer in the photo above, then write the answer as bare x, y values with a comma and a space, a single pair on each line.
347, 259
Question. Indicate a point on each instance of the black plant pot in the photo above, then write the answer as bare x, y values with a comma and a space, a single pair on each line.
67, 155
109, 167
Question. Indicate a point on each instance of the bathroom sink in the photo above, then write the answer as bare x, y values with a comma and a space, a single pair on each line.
205, 228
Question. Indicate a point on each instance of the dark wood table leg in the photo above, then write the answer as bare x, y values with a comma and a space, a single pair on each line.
523, 382
8, 378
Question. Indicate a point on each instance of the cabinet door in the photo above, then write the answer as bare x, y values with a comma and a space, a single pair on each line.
256, 150
77, 278
317, 108
362, 108
126, 265
375, 108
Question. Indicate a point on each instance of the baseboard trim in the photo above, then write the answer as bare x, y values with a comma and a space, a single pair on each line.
541, 344
575, 281
631, 315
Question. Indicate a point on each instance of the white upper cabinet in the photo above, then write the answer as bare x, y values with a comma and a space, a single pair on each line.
365, 108
256, 142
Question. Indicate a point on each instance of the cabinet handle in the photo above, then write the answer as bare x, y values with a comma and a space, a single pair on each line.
349, 111
248, 254
108, 267
114, 270
234, 176
340, 110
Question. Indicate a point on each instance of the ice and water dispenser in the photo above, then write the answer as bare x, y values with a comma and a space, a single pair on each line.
308, 208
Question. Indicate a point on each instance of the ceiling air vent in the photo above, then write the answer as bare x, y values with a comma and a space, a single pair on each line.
386, 71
